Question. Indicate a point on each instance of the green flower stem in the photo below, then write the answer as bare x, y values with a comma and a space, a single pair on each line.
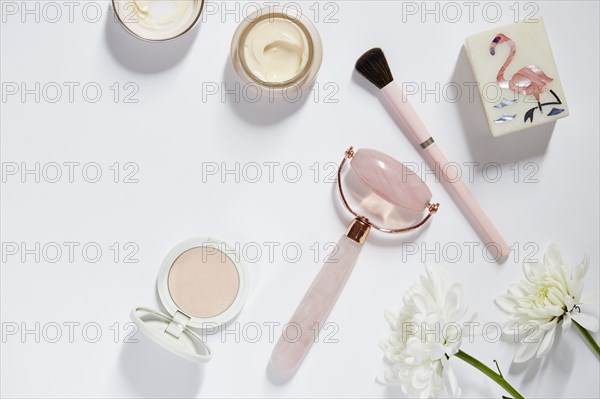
588, 337
498, 378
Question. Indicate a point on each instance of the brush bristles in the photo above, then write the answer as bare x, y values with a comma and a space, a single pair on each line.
373, 66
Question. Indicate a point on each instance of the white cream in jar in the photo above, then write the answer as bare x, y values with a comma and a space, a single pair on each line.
276, 50
158, 20
159, 14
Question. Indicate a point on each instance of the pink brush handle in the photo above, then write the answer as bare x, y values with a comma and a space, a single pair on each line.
418, 134
300, 333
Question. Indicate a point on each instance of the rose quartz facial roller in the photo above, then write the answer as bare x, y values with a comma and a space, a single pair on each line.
393, 182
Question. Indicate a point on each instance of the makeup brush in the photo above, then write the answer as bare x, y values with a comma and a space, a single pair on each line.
373, 66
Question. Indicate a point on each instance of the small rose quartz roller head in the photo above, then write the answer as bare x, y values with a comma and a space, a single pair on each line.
393, 182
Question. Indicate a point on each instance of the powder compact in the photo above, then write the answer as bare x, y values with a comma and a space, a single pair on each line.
202, 283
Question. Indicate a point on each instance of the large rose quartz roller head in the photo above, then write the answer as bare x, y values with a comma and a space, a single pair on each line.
393, 182
390, 179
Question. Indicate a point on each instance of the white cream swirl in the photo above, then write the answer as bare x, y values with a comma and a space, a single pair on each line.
276, 50
160, 14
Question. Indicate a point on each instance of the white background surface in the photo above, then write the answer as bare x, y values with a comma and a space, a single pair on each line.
173, 132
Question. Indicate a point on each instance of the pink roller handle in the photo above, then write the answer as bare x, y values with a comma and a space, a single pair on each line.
414, 128
300, 333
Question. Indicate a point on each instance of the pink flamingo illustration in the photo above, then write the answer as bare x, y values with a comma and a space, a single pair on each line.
528, 81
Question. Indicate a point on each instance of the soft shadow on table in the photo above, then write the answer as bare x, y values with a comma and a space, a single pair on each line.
583, 341
276, 377
394, 391
259, 108
484, 147
155, 372
560, 350
143, 56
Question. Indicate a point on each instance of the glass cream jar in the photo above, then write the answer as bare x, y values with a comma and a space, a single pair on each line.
158, 20
278, 49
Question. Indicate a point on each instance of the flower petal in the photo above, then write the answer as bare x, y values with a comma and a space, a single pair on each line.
451, 301
517, 290
587, 321
579, 271
506, 304
437, 351
566, 323
577, 274
555, 311
550, 325
531, 270
386, 378
457, 314
526, 351
510, 331
547, 342
529, 346
451, 382
554, 256
556, 297
420, 303
391, 315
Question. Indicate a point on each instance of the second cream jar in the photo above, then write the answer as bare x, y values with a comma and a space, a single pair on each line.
277, 49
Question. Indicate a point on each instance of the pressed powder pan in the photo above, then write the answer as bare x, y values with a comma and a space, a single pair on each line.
215, 282
202, 283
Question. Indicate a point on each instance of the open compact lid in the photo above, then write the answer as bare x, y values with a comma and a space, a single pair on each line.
169, 333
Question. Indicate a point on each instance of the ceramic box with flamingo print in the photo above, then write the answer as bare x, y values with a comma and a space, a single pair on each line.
517, 77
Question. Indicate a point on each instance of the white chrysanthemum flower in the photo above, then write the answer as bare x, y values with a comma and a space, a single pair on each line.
551, 293
425, 334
